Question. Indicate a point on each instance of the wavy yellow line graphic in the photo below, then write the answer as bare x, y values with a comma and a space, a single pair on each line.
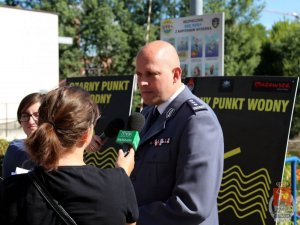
241, 192
110, 150
249, 175
248, 181
247, 188
107, 163
241, 202
246, 208
221, 196
103, 159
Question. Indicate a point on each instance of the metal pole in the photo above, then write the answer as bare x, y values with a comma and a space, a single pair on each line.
294, 190
196, 7
148, 21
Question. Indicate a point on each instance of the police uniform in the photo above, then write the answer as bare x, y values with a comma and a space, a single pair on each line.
179, 164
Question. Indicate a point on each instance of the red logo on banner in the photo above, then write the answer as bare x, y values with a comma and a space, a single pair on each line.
259, 85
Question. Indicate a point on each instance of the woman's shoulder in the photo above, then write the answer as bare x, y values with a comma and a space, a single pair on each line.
87, 176
111, 172
17, 144
91, 171
109, 175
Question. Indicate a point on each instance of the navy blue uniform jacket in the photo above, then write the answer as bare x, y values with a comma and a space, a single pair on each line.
179, 164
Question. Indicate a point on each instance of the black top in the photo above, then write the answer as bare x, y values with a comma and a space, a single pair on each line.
89, 194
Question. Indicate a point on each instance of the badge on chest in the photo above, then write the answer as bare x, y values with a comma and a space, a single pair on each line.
160, 141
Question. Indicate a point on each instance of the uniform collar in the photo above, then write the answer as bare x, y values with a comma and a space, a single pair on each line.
161, 108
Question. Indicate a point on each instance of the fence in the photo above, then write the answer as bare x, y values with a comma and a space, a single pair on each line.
9, 127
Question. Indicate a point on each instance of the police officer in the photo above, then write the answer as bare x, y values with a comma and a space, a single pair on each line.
179, 162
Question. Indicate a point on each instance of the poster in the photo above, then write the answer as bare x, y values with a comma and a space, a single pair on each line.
199, 41
255, 114
113, 95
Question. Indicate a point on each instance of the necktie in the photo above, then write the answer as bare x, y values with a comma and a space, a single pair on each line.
154, 115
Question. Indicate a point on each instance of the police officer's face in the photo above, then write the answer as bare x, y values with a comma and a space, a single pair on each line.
155, 79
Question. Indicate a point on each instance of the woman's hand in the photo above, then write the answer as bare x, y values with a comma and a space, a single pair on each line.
126, 161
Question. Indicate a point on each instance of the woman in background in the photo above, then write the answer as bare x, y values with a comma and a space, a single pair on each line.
89, 194
27, 115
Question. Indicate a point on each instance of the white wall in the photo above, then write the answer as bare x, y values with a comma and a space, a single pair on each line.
28, 56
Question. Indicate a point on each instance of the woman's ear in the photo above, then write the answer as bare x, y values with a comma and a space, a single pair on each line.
86, 136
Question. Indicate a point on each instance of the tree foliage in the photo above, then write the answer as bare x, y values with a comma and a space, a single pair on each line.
108, 33
280, 57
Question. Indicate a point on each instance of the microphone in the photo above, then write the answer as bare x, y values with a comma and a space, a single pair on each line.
130, 137
112, 129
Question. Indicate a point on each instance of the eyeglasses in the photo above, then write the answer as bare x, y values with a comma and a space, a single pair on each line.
25, 117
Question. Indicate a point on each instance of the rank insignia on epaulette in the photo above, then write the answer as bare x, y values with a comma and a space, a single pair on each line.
196, 106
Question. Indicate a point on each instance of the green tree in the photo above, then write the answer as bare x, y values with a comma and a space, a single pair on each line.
103, 42
280, 57
102, 33
273, 49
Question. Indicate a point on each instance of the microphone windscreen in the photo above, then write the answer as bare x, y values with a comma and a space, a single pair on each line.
113, 128
136, 121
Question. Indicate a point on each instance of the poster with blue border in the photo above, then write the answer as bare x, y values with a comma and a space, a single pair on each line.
199, 41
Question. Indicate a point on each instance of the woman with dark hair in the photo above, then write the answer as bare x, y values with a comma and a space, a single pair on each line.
27, 115
89, 194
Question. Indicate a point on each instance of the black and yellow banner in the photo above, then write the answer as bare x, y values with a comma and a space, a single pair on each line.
113, 94
255, 114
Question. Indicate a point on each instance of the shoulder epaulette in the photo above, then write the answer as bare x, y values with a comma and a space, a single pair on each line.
196, 105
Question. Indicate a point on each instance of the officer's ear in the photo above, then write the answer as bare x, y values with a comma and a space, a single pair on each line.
177, 74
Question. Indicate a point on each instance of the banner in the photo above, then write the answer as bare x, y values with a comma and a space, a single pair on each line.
199, 41
113, 95
255, 114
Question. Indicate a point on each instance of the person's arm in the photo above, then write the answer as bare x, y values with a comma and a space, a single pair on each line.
126, 161
14, 156
198, 177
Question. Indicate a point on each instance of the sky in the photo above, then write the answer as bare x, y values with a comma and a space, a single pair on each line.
277, 10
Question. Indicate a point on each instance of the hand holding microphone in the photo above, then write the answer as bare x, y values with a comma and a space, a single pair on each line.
130, 138
126, 161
